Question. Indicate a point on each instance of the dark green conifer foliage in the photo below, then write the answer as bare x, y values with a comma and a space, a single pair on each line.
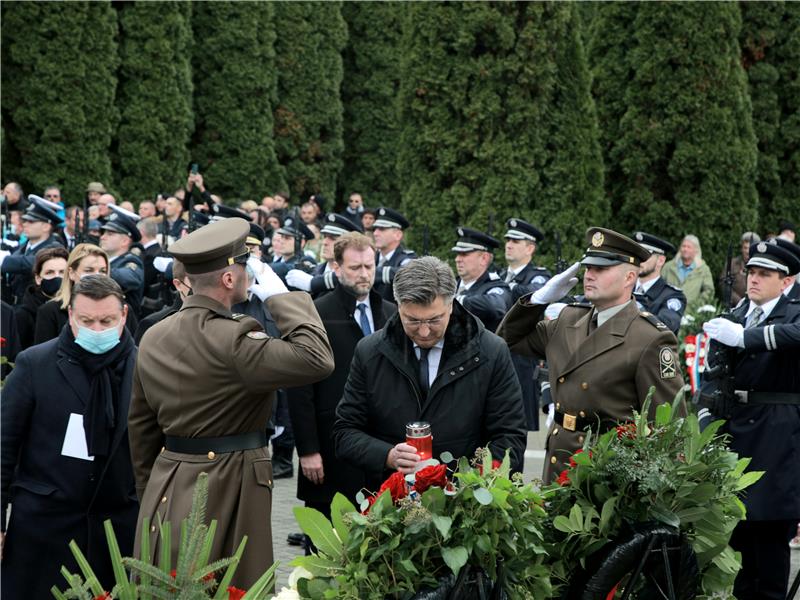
154, 98
234, 77
497, 119
369, 96
686, 152
59, 63
308, 116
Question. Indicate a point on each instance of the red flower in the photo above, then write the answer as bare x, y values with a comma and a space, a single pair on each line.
106, 595
396, 484
370, 502
209, 578
3, 345
628, 430
173, 573
495, 465
435, 476
563, 478
572, 462
235, 593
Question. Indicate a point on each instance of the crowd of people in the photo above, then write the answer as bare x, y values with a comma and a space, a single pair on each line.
150, 343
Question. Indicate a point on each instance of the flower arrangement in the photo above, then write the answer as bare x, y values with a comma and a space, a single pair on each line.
426, 531
667, 472
193, 577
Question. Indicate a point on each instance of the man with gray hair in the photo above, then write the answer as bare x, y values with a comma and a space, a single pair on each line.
432, 362
689, 272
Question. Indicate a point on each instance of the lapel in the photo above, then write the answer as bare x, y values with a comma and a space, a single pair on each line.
583, 348
347, 302
523, 275
125, 387
376, 306
779, 311
75, 376
655, 289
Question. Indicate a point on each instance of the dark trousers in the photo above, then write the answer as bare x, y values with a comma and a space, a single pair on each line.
765, 559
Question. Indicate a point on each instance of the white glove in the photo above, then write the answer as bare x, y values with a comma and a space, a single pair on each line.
267, 284
299, 279
551, 415
725, 332
10, 243
256, 265
557, 287
161, 263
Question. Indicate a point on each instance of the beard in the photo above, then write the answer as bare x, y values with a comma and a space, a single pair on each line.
647, 272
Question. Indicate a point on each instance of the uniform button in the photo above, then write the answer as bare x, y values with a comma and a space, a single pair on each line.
460, 368
751, 420
584, 386
477, 359
269, 481
164, 499
580, 439
211, 456
553, 460
555, 430
452, 373
162, 449
152, 528
582, 415
561, 380
558, 406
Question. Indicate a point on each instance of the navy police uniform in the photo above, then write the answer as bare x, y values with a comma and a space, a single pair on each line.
296, 229
665, 301
127, 269
387, 268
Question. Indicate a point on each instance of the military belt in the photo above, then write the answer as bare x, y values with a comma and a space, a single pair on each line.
222, 444
578, 423
745, 397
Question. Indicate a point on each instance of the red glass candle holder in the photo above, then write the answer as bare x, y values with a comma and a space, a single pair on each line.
418, 434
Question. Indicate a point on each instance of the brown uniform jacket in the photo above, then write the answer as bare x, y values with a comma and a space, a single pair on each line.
204, 373
601, 376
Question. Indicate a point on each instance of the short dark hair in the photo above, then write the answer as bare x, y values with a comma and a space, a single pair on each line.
97, 287
352, 239
45, 254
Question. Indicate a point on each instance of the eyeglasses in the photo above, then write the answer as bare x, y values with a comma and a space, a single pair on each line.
417, 323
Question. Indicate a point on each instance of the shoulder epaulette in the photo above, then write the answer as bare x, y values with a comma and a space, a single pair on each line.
653, 320
407, 251
238, 316
493, 276
581, 304
674, 287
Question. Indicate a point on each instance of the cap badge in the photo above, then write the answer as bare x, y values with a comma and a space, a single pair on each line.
288, 223
382, 212
762, 247
639, 237
460, 232
331, 218
597, 239
513, 222
772, 241
113, 217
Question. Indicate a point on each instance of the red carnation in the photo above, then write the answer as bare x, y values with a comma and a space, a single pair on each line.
563, 478
235, 593
572, 462
105, 596
396, 484
628, 430
431, 476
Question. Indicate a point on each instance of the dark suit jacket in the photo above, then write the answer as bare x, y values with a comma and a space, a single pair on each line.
313, 407
57, 498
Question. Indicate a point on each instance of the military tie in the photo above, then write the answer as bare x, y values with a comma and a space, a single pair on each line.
755, 317
363, 320
424, 382
593, 323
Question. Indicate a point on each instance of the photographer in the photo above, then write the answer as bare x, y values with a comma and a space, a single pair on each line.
763, 334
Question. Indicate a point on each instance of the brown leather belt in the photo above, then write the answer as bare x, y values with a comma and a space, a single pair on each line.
578, 423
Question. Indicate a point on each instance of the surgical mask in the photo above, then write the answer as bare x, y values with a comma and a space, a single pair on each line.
50, 286
97, 342
251, 275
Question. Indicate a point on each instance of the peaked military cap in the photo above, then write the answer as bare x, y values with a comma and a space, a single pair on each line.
42, 210
770, 255
608, 248
296, 229
654, 244
339, 225
220, 211
386, 218
470, 240
786, 226
786, 244
256, 235
520, 230
96, 186
123, 221
319, 200
219, 244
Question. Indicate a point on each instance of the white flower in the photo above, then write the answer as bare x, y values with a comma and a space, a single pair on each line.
287, 594
295, 576
707, 308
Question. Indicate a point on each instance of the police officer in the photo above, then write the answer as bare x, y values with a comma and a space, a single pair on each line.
388, 231
764, 421
39, 224
285, 247
652, 293
522, 276
603, 356
203, 393
793, 290
119, 234
480, 291
323, 279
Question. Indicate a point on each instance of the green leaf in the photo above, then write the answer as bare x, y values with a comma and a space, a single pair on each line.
665, 516
443, 524
607, 512
576, 517
434, 499
319, 529
341, 506
408, 565
663, 414
455, 558
126, 589
446, 457
483, 496
562, 523
500, 497
318, 566
88, 573
748, 479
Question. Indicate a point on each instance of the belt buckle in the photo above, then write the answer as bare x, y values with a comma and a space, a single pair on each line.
569, 422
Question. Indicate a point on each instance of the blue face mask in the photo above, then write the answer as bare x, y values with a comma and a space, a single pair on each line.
97, 342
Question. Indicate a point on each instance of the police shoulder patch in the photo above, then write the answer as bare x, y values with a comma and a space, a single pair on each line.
405, 261
132, 266
496, 291
539, 279
653, 320
257, 335
667, 363
407, 251
674, 304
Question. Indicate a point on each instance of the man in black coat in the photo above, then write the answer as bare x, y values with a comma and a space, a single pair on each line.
66, 464
352, 311
433, 361
764, 420
652, 293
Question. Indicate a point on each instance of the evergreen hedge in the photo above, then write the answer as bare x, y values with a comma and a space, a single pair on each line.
497, 120
233, 64
308, 116
59, 62
154, 98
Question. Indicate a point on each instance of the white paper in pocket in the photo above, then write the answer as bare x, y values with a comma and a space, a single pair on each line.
75, 439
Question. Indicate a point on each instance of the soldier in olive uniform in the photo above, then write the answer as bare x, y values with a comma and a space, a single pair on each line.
480, 291
603, 357
652, 293
203, 392
388, 231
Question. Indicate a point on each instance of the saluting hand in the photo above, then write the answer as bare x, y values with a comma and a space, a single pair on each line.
311, 465
403, 457
557, 287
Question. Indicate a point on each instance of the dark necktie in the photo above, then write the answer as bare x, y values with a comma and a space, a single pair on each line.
363, 320
593, 324
424, 383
